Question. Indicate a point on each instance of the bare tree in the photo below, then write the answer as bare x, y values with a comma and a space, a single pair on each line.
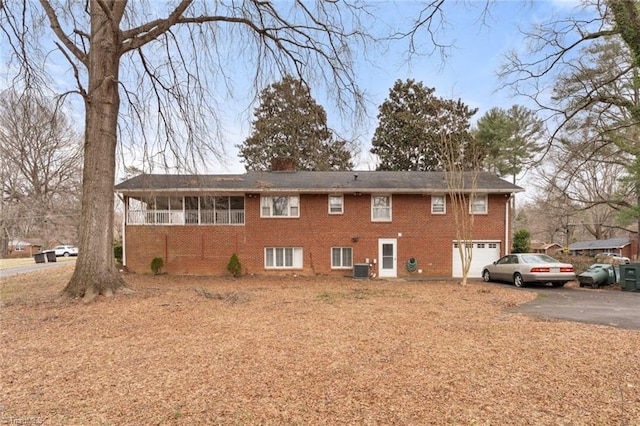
169, 65
159, 61
587, 183
40, 167
461, 158
589, 64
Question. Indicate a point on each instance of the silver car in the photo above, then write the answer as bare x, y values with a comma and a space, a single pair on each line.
523, 268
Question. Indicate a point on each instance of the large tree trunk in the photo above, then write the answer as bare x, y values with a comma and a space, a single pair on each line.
95, 271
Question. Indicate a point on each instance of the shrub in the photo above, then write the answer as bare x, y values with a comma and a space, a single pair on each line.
521, 241
117, 251
234, 265
156, 265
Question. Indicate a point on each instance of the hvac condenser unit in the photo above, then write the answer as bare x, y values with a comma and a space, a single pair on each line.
361, 271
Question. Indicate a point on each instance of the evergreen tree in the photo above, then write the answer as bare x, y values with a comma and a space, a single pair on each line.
511, 138
412, 126
289, 123
521, 241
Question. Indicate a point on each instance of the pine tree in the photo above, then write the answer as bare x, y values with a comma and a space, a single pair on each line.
511, 138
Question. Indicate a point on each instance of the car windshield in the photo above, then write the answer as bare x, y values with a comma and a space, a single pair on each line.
538, 258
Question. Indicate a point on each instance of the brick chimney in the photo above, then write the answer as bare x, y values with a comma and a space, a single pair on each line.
283, 164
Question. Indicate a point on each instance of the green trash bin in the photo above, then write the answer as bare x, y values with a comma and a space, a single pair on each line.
630, 277
598, 274
39, 257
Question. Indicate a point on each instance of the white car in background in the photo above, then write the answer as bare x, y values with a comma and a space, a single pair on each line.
616, 257
65, 251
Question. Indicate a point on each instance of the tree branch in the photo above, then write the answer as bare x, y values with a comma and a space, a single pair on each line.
57, 29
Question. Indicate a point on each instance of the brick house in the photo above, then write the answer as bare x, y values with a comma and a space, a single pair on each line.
20, 248
396, 224
624, 246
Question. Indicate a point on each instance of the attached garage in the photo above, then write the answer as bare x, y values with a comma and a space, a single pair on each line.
483, 253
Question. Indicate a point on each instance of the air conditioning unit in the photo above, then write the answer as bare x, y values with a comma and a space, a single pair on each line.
361, 271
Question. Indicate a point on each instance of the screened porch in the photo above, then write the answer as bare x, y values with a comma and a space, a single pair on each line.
189, 210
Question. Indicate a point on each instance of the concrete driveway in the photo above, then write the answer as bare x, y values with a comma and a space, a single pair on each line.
613, 308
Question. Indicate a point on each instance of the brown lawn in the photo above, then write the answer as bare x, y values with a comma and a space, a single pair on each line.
295, 350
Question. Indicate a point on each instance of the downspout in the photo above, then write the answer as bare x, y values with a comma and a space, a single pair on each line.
507, 207
125, 200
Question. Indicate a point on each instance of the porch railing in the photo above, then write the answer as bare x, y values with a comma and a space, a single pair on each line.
186, 217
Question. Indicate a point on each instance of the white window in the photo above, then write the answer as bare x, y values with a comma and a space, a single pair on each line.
336, 204
479, 204
341, 257
283, 257
438, 205
381, 208
280, 206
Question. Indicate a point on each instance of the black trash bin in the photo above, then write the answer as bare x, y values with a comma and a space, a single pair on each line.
39, 257
51, 256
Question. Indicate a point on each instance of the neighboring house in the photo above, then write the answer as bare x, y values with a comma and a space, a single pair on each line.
20, 248
399, 223
546, 248
626, 247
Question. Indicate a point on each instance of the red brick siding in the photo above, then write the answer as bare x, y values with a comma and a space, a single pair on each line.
207, 249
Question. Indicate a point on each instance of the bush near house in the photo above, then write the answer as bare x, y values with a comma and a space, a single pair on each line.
117, 252
156, 265
521, 241
234, 266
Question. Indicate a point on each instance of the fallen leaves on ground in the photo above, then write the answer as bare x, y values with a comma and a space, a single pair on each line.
304, 350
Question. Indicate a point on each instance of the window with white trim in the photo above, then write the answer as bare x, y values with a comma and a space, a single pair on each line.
280, 206
438, 204
341, 257
479, 204
283, 257
381, 208
336, 204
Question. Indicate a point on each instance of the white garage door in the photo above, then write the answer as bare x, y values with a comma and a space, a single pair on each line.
484, 252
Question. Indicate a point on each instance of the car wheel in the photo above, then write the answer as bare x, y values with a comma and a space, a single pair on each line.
486, 276
517, 280
558, 284
66, 254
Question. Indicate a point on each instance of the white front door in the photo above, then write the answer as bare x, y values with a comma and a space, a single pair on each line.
387, 258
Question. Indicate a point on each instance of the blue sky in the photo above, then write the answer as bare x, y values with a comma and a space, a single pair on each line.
467, 72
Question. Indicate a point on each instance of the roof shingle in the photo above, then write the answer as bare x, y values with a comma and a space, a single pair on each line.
313, 182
